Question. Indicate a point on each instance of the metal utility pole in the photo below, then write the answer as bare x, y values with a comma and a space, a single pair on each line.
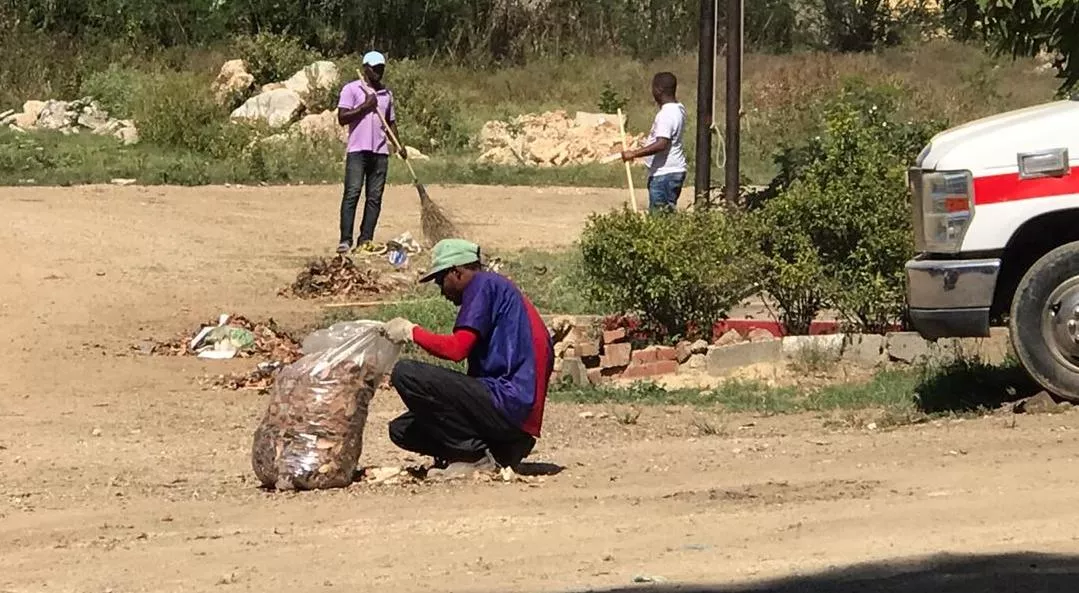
706, 61
734, 98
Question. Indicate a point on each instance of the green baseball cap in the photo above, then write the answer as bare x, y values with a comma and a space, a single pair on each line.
449, 253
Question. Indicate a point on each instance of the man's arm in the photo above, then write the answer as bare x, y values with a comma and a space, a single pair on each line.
347, 115
659, 145
454, 347
664, 130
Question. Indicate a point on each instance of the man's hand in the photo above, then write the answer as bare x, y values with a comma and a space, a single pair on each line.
627, 155
403, 153
398, 330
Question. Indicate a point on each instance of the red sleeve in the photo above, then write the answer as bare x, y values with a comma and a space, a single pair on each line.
453, 347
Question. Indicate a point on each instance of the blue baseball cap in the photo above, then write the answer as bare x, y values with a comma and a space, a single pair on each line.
373, 58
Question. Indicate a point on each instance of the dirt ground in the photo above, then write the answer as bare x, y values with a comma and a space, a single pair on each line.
118, 472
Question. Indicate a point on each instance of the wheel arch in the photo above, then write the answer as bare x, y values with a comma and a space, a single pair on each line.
1032, 240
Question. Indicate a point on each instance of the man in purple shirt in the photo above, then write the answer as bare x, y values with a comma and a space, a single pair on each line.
368, 149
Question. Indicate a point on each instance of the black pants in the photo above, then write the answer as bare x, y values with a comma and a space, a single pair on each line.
451, 416
363, 170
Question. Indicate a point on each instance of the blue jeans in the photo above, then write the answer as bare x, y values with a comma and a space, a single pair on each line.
363, 170
663, 191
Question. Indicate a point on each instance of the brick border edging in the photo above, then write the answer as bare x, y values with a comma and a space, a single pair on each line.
589, 356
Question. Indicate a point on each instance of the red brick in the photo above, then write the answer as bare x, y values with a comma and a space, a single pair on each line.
595, 376
614, 335
665, 353
652, 369
615, 355
644, 356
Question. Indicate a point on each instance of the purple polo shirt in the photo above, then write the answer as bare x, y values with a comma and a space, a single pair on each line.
366, 134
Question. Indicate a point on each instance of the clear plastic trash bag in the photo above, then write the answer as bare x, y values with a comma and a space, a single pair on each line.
311, 435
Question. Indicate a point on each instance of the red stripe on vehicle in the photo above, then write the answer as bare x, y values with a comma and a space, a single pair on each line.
1009, 187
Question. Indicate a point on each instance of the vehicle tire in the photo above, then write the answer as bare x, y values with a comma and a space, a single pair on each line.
1044, 321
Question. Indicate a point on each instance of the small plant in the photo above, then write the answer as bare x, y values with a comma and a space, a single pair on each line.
610, 101
707, 429
680, 272
814, 358
629, 418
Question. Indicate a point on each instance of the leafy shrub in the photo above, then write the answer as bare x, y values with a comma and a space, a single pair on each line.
680, 271
610, 100
178, 111
116, 88
273, 58
429, 118
838, 232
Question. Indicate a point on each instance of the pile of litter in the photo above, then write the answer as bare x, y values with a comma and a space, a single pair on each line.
553, 139
231, 337
341, 277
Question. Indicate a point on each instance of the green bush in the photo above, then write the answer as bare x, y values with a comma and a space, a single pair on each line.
178, 111
429, 117
115, 88
838, 232
681, 272
273, 58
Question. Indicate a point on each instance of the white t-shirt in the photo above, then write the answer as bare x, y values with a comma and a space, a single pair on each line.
670, 123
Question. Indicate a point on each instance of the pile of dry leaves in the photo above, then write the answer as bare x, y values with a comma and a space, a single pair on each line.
271, 342
341, 277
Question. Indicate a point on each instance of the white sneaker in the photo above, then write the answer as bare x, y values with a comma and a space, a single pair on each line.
464, 469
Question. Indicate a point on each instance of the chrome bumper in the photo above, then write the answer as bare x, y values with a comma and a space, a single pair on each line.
951, 298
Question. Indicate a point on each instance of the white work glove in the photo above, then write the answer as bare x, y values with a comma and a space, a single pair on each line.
398, 330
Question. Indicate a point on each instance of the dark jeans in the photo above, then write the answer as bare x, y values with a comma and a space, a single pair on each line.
663, 191
363, 170
451, 417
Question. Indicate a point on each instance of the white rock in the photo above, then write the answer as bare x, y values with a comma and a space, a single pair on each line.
232, 80
415, 154
320, 75
33, 109
277, 108
128, 135
322, 126
25, 120
55, 116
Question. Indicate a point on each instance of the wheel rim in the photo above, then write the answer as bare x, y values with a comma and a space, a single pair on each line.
1060, 324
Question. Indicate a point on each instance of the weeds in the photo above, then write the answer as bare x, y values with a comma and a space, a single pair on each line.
891, 398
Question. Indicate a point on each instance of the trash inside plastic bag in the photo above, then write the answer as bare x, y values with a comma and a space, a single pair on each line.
311, 435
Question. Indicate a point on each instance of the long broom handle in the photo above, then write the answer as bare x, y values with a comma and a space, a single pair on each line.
390, 133
629, 173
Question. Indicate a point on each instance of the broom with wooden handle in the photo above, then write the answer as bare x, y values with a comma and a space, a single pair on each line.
629, 173
436, 225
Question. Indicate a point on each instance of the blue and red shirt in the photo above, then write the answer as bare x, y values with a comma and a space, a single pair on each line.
513, 355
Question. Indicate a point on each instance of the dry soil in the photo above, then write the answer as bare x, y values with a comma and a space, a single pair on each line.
121, 473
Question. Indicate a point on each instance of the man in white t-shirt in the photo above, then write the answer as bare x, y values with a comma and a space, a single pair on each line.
665, 157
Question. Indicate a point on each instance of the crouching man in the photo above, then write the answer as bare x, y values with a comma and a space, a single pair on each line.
490, 417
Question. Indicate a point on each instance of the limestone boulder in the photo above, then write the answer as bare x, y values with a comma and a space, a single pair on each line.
232, 81
277, 108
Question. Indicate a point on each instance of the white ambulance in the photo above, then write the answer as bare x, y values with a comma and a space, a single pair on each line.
996, 221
